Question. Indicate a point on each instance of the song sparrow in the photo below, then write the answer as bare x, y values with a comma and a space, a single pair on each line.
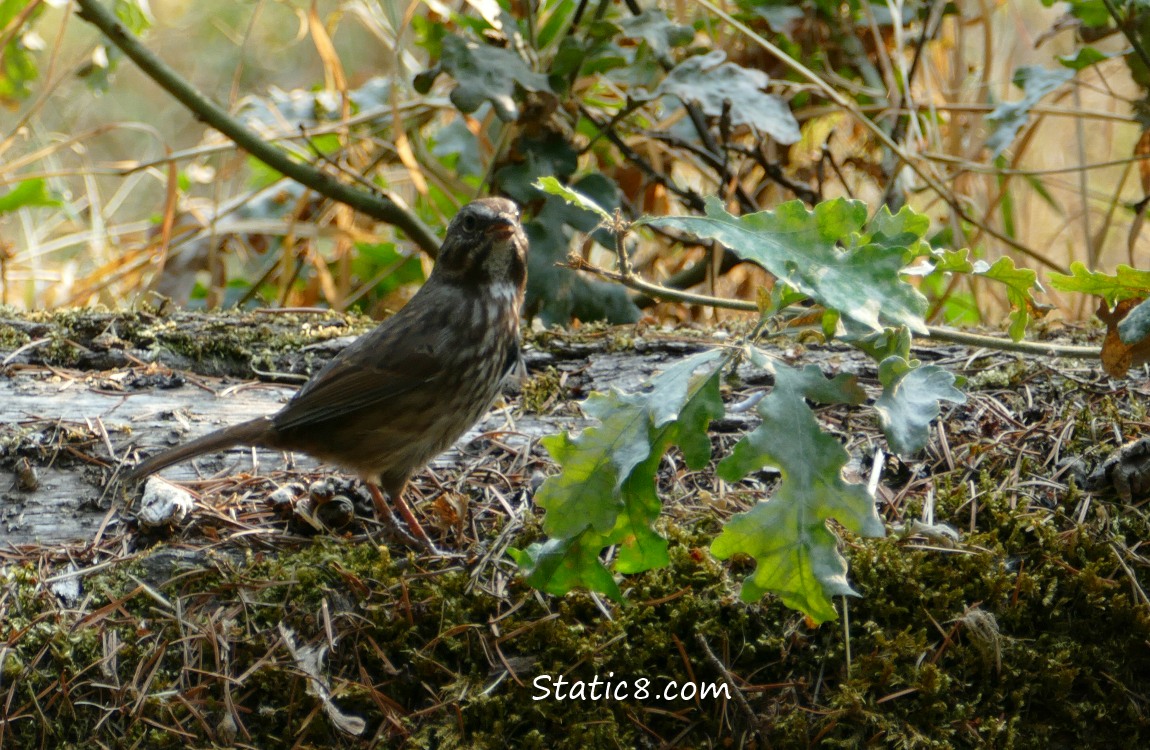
403, 393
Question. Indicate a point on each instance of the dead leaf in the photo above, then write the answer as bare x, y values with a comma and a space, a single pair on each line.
1117, 357
309, 660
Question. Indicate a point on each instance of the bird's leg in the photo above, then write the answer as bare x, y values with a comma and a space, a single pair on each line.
387, 517
418, 537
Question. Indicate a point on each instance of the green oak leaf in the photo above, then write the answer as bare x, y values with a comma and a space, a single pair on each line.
905, 230
482, 74
1124, 283
547, 154
1009, 117
716, 85
800, 247
1020, 283
605, 493
658, 31
890, 342
797, 556
957, 261
910, 401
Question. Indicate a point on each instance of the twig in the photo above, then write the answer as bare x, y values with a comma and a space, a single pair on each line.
902, 122
1129, 31
693, 199
775, 172
713, 160
620, 228
740, 699
934, 333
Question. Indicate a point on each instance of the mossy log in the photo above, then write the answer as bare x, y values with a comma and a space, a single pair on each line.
239, 627
84, 390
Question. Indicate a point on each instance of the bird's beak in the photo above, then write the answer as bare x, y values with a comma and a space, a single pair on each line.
503, 229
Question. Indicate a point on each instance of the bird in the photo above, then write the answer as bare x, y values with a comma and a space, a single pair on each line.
404, 392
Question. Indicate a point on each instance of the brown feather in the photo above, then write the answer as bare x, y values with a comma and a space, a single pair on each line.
252, 432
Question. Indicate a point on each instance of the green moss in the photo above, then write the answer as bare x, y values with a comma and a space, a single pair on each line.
995, 375
248, 338
541, 391
1021, 638
229, 343
12, 338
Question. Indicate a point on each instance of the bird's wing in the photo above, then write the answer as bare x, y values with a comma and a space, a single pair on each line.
384, 365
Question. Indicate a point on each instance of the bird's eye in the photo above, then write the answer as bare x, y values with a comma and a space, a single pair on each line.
470, 223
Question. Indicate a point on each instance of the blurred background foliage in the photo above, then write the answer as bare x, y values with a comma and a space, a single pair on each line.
1018, 128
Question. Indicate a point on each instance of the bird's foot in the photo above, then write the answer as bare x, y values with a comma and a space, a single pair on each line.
413, 536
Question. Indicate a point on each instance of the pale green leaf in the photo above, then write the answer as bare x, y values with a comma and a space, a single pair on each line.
552, 186
659, 32
910, 401
1124, 283
1009, 117
1019, 283
717, 86
905, 230
800, 247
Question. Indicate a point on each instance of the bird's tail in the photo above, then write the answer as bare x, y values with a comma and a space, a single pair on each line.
252, 432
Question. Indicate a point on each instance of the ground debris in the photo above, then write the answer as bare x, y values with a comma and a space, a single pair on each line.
1011, 611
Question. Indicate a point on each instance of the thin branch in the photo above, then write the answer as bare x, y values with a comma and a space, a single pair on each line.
694, 200
775, 172
713, 160
380, 207
697, 271
966, 165
1129, 31
822, 110
935, 333
754, 722
902, 122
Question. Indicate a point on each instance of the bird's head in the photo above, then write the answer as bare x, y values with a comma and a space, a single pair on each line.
485, 244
